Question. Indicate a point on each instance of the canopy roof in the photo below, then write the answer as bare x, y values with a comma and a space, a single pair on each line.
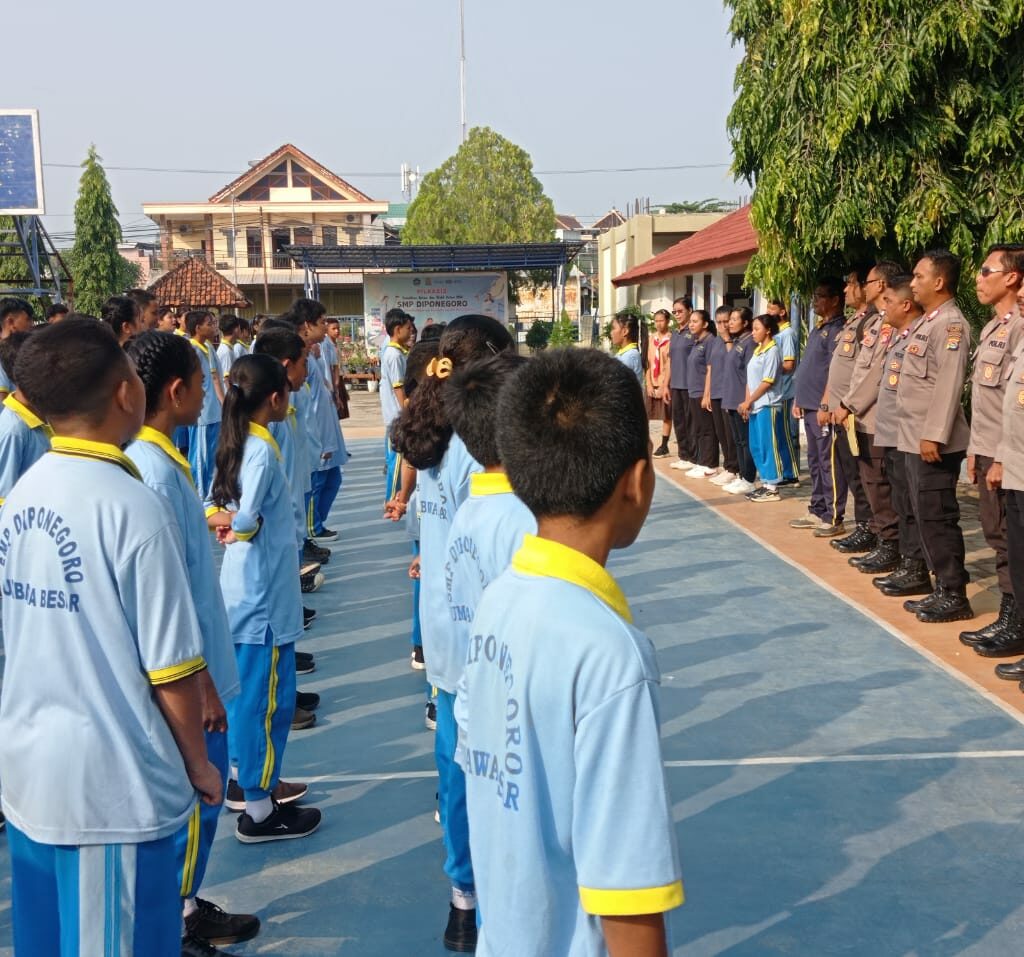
491, 256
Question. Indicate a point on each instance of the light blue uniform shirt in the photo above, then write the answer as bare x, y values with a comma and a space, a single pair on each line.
308, 444
440, 492
211, 367
6, 383
487, 531
240, 349
225, 358
392, 376
329, 359
166, 471
288, 436
260, 572
765, 365
323, 417
569, 815
24, 439
786, 340
630, 356
96, 611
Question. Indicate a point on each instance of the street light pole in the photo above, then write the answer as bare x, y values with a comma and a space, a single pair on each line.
462, 66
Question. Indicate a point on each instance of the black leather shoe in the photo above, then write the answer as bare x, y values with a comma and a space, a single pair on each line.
915, 605
990, 632
912, 580
460, 934
884, 558
1011, 672
1006, 645
950, 605
860, 540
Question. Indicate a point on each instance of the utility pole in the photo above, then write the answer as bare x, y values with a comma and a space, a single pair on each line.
462, 66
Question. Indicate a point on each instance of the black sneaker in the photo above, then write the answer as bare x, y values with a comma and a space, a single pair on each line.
326, 534
460, 934
192, 946
215, 926
284, 793
3, 821
285, 823
304, 656
416, 661
430, 720
234, 799
308, 616
661, 451
307, 700
311, 552
310, 583
304, 666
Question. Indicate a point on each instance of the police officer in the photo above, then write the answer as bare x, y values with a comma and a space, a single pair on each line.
840, 373
861, 400
934, 432
828, 485
678, 352
997, 283
901, 314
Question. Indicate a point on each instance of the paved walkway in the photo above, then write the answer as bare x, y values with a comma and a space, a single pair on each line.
836, 791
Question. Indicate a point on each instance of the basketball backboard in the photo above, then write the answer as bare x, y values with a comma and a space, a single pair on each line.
21, 165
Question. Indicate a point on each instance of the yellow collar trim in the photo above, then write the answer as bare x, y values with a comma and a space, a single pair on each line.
100, 451
764, 347
261, 433
545, 558
179, 332
201, 346
489, 483
26, 415
395, 345
784, 325
155, 437
630, 348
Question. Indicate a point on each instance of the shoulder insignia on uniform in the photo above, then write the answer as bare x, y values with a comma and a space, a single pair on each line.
848, 336
824, 335
913, 349
885, 332
953, 343
1001, 332
893, 379
1020, 398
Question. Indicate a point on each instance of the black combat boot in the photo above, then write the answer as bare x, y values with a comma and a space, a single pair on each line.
1007, 609
884, 558
860, 540
950, 604
1006, 645
911, 578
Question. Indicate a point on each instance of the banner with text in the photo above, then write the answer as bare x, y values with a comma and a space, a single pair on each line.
432, 297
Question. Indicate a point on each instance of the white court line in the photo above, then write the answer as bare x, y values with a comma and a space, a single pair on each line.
866, 612
764, 761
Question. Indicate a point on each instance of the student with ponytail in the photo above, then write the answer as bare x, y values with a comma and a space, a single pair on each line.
423, 434
629, 339
173, 379
259, 578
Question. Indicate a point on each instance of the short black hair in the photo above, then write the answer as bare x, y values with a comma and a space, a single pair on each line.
432, 333
832, 285
778, 303
277, 322
71, 368
886, 269
280, 344
685, 301
900, 282
10, 305
228, 323
860, 270
570, 423
57, 309
194, 319
770, 322
1011, 255
471, 402
946, 265
307, 310
159, 358
9, 349
395, 319
141, 297
118, 312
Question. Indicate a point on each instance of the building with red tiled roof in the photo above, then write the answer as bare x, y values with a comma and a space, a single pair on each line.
195, 284
287, 198
708, 266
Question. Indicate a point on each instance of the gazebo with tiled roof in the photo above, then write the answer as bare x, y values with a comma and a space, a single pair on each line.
195, 284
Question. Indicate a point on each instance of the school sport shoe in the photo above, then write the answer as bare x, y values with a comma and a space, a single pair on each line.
681, 465
723, 478
192, 946
310, 583
739, 486
210, 923
311, 552
304, 665
308, 700
460, 934
767, 493
325, 534
430, 719
700, 471
416, 661
302, 719
805, 521
285, 823
285, 792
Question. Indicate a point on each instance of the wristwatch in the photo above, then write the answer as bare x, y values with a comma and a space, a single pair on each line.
823, 407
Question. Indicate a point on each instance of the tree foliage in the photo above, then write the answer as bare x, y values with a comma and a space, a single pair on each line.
702, 206
98, 268
485, 193
563, 332
538, 335
882, 127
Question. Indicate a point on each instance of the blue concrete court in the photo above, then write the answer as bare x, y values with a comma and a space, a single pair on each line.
835, 793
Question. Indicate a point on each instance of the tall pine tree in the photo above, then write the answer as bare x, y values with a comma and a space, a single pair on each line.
881, 127
98, 268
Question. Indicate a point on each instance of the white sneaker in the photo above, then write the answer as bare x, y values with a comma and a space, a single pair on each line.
740, 486
700, 471
682, 465
723, 478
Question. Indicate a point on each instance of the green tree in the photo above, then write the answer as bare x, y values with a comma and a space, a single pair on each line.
877, 128
702, 206
99, 270
563, 332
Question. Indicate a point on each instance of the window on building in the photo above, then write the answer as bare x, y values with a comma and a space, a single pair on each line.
260, 190
303, 236
319, 189
229, 242
279, 238
254, 247
330, 235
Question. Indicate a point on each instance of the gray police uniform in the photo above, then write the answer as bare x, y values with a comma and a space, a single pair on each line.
678, 352
861, 400
1010, 453
992, 368
930, 388
828, 485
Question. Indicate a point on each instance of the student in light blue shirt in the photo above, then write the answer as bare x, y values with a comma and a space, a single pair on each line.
259, 579
629, 340
173, 379
15, 316
423, 435
400, 329
102, 751
227, 350
24, 436
570, 822
487, 530
202, 437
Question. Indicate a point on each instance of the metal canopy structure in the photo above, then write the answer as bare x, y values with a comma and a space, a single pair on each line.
510, 257
39, 269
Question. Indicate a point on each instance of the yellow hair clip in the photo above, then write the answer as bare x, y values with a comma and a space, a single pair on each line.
442, 368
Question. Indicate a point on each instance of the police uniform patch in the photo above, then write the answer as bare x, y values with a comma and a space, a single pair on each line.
893, 379
913, 349
989, 372
1020, 398
895, 366
886, 333
847, 347
952, 343
1001, 332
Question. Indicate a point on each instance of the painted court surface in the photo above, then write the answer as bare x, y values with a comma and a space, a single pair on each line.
834, 791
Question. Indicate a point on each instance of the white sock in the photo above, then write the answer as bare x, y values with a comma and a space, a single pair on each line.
259, 810
189, 907
234, 774
463, 900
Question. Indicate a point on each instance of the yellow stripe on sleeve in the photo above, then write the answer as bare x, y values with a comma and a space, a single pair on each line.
645, 900
245, 536
164, 676
213, 510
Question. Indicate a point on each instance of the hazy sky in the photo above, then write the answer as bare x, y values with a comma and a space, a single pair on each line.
365, 86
